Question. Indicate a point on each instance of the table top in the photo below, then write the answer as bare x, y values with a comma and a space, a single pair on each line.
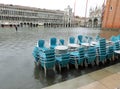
61, 47
74, 45
94, 42
117, 51
87, 44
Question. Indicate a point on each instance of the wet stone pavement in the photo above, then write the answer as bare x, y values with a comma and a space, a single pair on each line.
17, 68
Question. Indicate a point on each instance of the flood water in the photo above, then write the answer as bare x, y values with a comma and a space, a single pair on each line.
17, 68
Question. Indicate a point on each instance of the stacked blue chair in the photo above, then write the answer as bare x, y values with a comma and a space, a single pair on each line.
118, 37
77, 57
116, 47
79, 40
53, 42
72, 40
36, 53
61, 42
102, 50
97, 38
114, 39
47, 59
62, 61
90, 56
90, 39
110, 53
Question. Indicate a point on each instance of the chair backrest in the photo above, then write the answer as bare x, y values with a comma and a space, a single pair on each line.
110, 49
61, 42
80, 39
91, 52
102, 48
90, 39
35, 53
72, 40
97, 37
116, 46
114, 39
49, 54
53, 41
65, 56
118, 37
81, 52
48, 59
41, 43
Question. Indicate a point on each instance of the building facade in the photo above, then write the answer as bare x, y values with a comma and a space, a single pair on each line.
111, 17
68, 17
30, 16
95, 17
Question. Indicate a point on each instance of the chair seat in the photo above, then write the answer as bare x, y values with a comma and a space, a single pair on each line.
43, 49
74, 54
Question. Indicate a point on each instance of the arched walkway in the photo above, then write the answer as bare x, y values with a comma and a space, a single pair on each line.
95, 22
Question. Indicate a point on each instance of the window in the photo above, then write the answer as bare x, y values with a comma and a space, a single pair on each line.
111, 8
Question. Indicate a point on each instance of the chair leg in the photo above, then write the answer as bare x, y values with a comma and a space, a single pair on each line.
113, 57
81, 64
59, 68
76, 65
45, 70
93, 63
103, 62
68, 66
97, 61
86, 65
54, 69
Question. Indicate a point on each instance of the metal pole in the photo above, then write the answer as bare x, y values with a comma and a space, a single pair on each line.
86, 12
74, 12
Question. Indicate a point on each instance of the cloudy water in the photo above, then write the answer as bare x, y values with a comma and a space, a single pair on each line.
17, 68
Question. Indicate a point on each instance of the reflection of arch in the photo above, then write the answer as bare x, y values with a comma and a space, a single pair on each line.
27, 23
95, 22
21, 24
90, 23
24, 23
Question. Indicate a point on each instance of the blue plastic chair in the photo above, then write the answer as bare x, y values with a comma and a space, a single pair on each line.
97, 38
47, 59
90, 56
61, 42
102, 50
62, 61
114, 39
77, 57
116, 47
53, 42
79, 40
90, 39
118, 37
35, 53
110, 53
41, 45
72, 40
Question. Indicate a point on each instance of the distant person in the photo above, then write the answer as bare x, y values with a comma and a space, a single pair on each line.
16, 28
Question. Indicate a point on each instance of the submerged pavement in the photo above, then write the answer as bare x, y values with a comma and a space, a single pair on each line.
17, 68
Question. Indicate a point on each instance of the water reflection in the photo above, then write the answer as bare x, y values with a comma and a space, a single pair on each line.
19, 45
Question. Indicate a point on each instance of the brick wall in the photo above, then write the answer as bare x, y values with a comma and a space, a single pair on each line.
111, 18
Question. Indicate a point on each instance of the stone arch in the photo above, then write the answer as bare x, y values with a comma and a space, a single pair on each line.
90, 22
95, 22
